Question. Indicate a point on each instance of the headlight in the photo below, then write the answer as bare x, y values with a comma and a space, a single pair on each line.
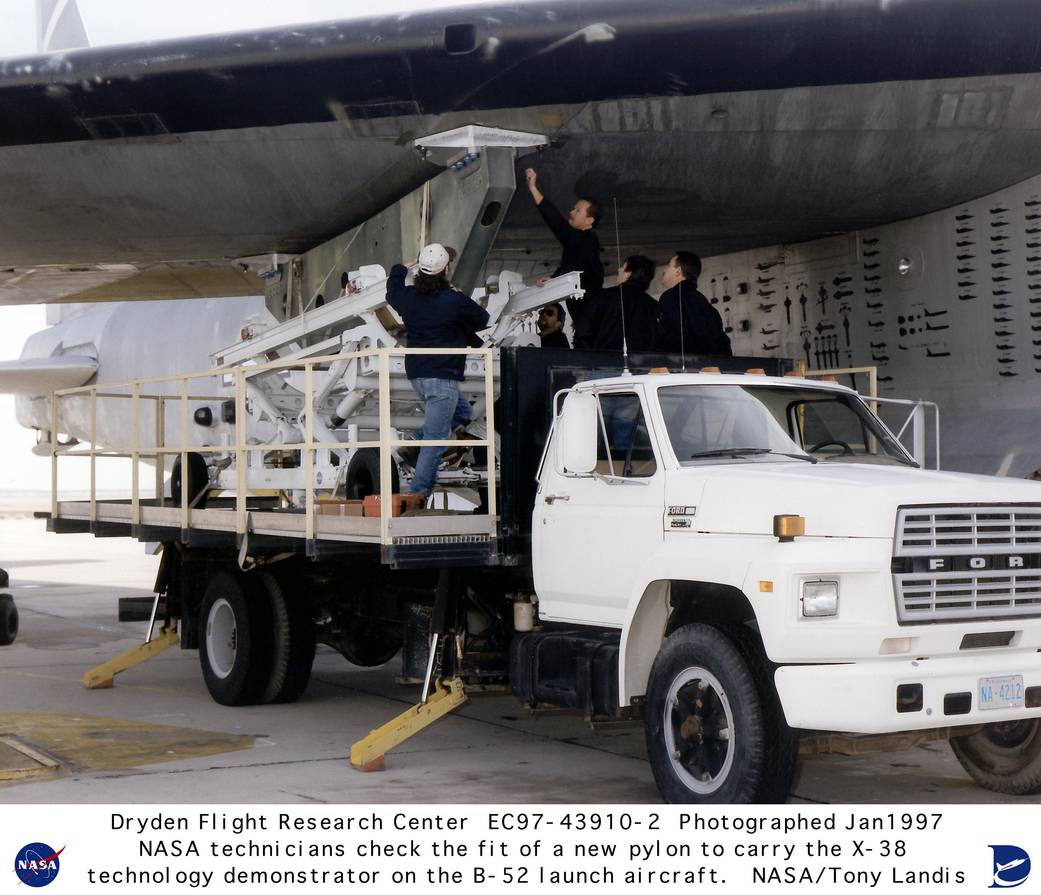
820, 599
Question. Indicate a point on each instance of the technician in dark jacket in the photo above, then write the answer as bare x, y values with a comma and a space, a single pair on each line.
640, 310
550, 326
580, 245
687, 323
436, 316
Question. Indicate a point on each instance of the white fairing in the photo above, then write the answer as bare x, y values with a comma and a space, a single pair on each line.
130, 340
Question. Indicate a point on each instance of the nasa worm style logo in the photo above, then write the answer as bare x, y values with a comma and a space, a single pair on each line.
37, 865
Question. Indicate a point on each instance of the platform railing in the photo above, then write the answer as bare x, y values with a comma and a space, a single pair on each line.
140, 391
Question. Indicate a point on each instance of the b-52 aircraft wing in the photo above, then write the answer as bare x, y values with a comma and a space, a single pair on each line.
143, 171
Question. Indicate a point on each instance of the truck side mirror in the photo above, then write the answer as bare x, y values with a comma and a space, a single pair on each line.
576, 434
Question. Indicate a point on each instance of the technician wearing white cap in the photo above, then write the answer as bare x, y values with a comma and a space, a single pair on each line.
436, 316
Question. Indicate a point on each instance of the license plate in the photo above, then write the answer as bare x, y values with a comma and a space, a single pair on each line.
1001, 692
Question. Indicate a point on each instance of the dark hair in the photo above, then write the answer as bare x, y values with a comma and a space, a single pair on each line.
641, 270
430, 283
690, 264
593, 210
559, 308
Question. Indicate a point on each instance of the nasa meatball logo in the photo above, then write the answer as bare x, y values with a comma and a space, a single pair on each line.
37, 864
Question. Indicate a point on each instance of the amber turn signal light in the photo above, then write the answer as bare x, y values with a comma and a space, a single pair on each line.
788, 528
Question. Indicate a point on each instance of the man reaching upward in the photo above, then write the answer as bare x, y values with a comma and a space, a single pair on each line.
580, 249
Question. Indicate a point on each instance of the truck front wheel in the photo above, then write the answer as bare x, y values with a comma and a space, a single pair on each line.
705, 723
1003, 757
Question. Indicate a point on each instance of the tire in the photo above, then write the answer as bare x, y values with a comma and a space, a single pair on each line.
8, 620
1003, 757
782, 740
198, 480
293, 642
363, 475
234, 640
701, 682
4, 579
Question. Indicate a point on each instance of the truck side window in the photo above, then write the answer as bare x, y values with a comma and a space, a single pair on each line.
629, 453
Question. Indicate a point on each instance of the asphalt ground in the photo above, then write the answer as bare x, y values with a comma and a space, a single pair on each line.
157, 737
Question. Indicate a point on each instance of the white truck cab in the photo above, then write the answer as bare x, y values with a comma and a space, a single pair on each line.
772, 558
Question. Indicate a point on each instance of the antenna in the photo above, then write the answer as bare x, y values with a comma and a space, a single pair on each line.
683, 347
621, 301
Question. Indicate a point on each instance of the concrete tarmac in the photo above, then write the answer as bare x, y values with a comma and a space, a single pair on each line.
157, 737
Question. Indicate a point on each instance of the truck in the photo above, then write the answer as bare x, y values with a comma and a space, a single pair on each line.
746, 562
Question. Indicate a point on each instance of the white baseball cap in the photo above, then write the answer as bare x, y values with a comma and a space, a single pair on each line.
434, 258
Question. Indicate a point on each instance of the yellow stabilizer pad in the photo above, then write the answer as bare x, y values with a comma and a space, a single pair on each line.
367, 754
106, 744
101, 677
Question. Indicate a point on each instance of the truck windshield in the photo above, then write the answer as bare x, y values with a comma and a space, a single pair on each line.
736, 423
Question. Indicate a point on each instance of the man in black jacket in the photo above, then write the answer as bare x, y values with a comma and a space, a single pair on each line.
687, 323
550, 326
630, 302
436, 316
580, 249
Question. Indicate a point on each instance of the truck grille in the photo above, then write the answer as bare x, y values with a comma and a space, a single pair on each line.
956, 563
961, 530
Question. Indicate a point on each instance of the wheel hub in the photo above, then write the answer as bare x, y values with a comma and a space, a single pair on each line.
691, 729
1009, 734
698, 726
221, 638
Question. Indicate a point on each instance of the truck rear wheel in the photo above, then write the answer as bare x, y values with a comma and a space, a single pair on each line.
1003, 757
293, 642
706, 725
8, 620
235, 640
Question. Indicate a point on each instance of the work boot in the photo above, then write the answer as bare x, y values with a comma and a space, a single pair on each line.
408, 455
455, 454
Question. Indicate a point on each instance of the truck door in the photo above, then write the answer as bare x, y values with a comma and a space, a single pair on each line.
591, 534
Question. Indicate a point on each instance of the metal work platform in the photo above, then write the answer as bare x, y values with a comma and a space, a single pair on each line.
249, 508
446, 536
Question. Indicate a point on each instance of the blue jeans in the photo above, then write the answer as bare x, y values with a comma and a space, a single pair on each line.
446, 409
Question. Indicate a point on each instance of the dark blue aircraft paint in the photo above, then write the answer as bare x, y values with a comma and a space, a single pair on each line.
510, 55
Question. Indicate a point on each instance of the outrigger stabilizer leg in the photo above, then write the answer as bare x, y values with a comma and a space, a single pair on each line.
368, 754
103, 676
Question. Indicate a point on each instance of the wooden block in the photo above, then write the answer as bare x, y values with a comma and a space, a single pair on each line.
376, 764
